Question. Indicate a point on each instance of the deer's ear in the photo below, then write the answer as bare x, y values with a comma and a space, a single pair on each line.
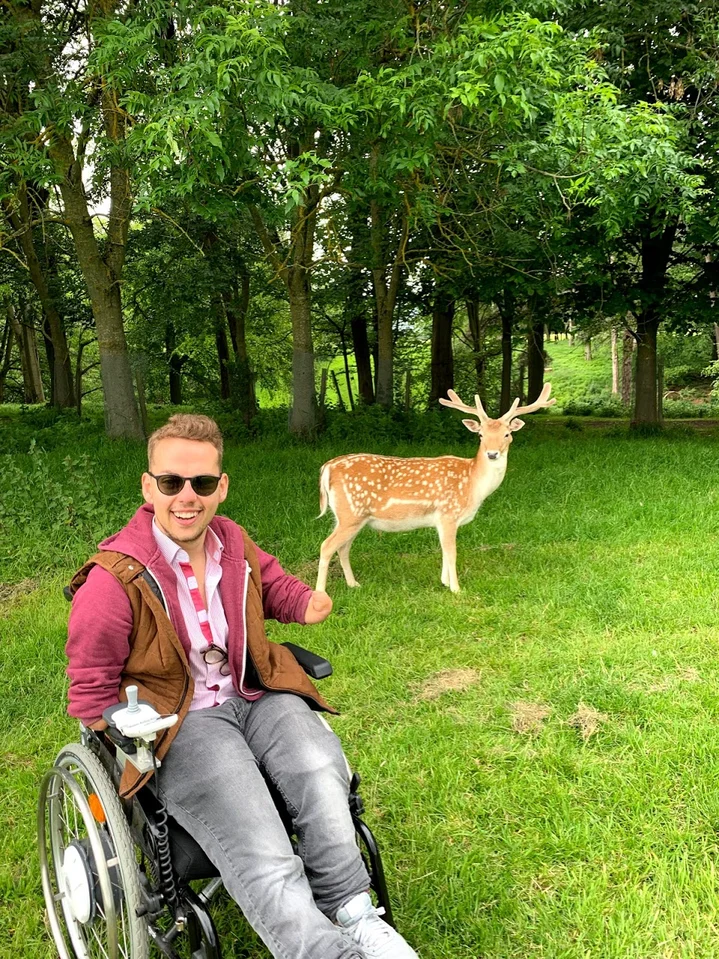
472, 425
516, 425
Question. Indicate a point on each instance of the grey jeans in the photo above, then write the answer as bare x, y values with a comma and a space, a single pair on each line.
213, 787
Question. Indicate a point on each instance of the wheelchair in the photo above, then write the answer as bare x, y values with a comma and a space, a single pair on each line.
119, 876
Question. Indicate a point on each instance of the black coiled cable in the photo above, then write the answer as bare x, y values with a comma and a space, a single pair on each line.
164, 856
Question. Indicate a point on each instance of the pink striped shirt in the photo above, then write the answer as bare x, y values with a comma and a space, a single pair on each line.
204, 626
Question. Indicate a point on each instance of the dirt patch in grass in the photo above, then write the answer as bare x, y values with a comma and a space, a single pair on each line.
12, 591
307, 571
528, 718
685, 674
448, 681
587, 720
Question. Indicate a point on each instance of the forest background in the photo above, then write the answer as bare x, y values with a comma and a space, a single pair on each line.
354, 203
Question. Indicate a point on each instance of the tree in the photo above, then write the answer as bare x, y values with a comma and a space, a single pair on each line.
662, 60
65, 124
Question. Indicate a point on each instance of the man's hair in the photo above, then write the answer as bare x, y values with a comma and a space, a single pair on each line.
187, 426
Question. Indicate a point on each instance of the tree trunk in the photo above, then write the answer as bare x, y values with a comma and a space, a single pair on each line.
360, 347
715, 342
375, 346
237, 307
628, 343
122, 420
20, 217
27, 344
348, 377
142, 400
294, 267
656, 252
335, 383
442, 359
645, 383
303, 417
223, 348
78, 376
49, 353
102, 275
535, 361
386, 279
615, 362
588, 348
356, 304
477, 334
6, 342
174, 363
506, 312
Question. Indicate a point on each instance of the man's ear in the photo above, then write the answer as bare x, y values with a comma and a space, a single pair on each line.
147, 482
223, 485
472, 425
516, 425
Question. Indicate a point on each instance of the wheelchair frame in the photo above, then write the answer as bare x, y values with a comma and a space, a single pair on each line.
110, 882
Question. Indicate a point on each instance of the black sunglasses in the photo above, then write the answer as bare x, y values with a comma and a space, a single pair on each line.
170, 484
214, 655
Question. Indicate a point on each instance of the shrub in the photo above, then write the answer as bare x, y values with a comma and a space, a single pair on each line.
596, 404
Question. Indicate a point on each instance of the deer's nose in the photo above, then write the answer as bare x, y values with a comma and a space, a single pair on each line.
492, 454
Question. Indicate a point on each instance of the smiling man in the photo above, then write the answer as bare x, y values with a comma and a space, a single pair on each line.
175, 604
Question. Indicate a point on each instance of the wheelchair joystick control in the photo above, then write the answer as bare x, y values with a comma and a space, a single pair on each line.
138, 721
132, 706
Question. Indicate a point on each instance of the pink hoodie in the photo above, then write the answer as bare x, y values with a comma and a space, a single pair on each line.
101, 618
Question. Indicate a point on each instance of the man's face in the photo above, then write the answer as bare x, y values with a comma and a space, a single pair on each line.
184, 516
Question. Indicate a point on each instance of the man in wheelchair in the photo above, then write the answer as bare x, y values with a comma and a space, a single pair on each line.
174, 604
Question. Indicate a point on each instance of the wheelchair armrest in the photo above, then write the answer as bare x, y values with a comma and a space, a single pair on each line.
125, 743
315, 666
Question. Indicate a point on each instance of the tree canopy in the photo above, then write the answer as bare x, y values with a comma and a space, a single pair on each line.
212, 197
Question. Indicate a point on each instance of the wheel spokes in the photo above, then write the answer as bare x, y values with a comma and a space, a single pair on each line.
71, 820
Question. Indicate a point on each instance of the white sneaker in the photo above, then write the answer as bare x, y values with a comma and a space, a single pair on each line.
359, 920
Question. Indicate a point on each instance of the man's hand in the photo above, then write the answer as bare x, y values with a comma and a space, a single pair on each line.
318, 608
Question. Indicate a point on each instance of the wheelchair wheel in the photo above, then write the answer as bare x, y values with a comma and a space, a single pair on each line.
88, 862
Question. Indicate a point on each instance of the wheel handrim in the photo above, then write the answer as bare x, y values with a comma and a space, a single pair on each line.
64, 808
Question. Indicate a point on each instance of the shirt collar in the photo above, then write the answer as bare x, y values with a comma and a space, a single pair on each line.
174, 553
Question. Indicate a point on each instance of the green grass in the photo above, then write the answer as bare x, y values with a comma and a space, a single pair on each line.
573, 376
588, 579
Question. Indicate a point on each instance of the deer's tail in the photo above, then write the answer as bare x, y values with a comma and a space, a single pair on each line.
324, 489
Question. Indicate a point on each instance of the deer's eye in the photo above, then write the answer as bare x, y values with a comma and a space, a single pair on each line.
506, 436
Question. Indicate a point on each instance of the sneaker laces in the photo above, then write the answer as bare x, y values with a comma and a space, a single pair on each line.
371, 930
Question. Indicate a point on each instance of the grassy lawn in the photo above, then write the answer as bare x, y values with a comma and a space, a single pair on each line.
571, 374
539, 753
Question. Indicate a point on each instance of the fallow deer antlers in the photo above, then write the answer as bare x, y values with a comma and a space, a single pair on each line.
515, 410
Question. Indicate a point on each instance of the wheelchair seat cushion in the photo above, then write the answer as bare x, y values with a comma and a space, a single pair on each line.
188, 858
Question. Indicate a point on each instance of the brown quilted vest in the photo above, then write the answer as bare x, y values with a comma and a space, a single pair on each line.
158, 665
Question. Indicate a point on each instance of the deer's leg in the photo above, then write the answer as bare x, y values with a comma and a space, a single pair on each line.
339, 538
344, 555
447, 530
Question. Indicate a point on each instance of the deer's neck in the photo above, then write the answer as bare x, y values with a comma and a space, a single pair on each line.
487, 475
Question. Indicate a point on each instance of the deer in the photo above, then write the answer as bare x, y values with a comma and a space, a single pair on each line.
395, 493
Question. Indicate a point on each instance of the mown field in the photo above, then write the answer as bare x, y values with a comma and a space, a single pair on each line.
539, 753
